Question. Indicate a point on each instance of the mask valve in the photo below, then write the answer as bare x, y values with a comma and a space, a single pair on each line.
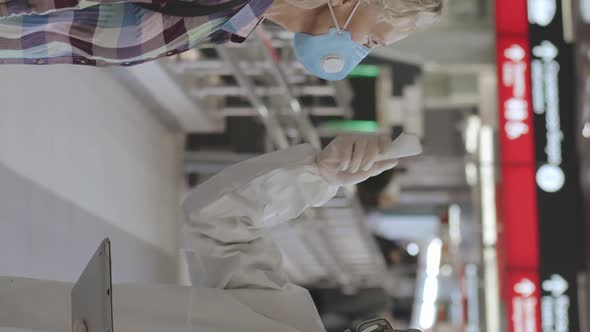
332, 64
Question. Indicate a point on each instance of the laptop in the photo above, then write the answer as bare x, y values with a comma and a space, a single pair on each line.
92, 298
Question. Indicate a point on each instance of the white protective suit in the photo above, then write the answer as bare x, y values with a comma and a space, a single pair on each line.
238, 280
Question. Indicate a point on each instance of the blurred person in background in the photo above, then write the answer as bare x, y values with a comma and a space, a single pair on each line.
331, 37
379, 192
238, 280
400, 282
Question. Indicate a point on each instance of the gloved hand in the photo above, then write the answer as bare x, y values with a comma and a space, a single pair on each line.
351, 159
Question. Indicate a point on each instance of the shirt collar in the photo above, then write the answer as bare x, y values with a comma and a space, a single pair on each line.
242, 23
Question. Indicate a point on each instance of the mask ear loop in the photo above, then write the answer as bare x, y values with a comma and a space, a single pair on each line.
334, 17
351, 14
347, 20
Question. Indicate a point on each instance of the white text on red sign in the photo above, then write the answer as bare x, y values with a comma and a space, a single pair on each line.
515, 108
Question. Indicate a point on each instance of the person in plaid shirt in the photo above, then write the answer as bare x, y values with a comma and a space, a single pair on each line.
122, 32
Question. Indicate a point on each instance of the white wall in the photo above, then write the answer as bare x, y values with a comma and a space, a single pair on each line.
75, 135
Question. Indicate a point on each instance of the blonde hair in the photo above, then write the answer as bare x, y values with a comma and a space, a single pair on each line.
409, 15
405, 15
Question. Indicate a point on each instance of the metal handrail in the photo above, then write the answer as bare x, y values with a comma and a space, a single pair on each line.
269, 119
301, 117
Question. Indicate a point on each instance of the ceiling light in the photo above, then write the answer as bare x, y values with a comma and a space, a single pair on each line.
455, 224
472, 133
446, 270
471, 173
413, 249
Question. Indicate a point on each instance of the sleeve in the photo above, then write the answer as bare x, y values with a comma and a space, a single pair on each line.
226, 232
10, 8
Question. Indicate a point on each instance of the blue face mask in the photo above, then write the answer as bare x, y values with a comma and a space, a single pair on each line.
333, 55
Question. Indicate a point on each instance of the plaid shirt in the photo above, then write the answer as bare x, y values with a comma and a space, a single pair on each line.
113, 32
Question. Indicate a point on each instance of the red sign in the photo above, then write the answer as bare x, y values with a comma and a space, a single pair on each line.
524, 302
511, 18
519, 249
517, 158
518, 198
520, 228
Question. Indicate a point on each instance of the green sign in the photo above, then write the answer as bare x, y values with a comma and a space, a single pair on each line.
364, 71
352, 125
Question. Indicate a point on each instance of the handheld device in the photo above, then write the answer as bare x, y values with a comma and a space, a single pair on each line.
406, 145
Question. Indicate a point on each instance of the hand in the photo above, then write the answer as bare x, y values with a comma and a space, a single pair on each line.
79, 326
351, 159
